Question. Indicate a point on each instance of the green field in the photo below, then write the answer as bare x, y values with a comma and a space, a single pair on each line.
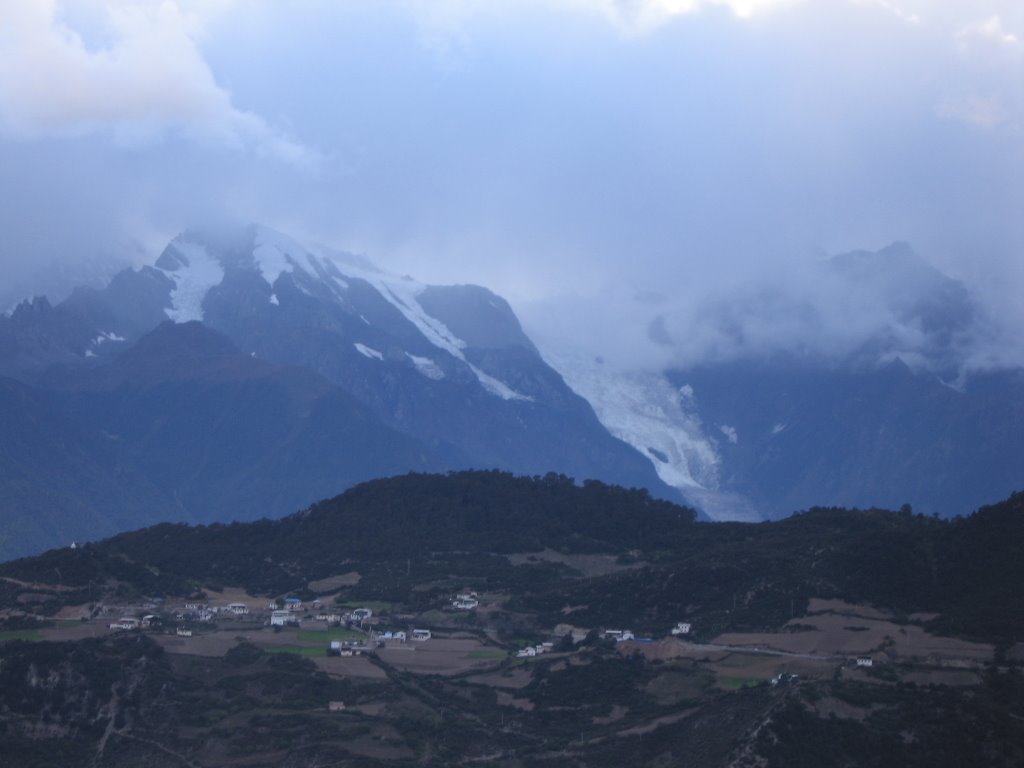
735, 683
19, 634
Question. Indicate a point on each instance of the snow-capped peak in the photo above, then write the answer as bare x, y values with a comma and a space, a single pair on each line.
196, 267
400, 292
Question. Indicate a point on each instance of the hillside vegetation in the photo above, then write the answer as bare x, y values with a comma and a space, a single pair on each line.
545, 555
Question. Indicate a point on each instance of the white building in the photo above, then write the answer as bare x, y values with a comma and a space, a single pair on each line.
681, 628
239, 609
618, 635
419, 635
281, 618
865, 661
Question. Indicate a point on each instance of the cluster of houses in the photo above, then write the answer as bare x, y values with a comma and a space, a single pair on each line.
534, 650
579, 635
192, 612
202, 612
784, 677
621, 635
465, 601
618, 635
289, 616
347, 648
286, 612
379, 639
128, 623
283, 619
388, 636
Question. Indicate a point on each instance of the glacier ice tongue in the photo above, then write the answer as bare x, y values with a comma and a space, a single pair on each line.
194, 274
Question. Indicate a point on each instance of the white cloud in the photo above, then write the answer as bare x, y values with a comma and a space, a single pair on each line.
989, 30
146, 79
445, 21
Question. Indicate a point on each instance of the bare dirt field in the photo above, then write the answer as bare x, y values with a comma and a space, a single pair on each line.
350, 666
506, 699
843, 608
443, 656
206, 644
670, 648
230, 595
513, 679
75, 630
738, 669
332, 583
845, 635
73, 612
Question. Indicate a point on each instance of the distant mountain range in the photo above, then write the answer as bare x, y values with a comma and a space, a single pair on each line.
246, 375
287, 375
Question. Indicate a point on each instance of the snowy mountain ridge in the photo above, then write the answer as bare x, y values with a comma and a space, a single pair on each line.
195, 271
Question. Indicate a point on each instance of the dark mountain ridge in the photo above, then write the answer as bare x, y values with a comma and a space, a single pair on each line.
965, 569
199, 431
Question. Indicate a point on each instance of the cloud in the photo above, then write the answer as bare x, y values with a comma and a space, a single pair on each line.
989, 30
570, 154
146, 80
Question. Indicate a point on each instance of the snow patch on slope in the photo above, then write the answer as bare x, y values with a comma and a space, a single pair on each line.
194, 274
402, 293
274, 253
369, 352
106, 336
496, 387
427, 367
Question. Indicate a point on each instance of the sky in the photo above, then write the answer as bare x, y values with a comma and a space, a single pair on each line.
618, 169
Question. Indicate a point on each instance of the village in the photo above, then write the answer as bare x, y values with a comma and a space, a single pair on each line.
339, 638
340, 634
475, 638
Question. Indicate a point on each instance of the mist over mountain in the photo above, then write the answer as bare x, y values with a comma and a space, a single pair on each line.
871, 379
